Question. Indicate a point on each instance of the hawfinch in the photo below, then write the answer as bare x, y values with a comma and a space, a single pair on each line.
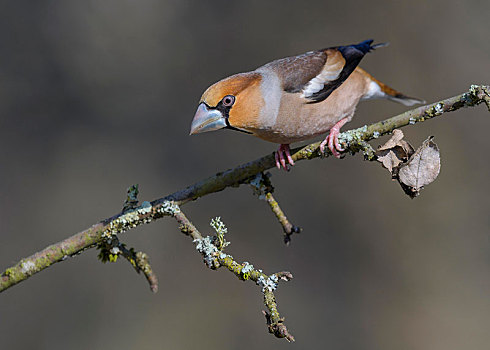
295, 98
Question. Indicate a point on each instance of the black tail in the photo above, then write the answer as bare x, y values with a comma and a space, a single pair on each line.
355, 53
366, 46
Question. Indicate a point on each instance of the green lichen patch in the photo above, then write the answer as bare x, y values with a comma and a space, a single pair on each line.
130, 219
9, 272
353, 136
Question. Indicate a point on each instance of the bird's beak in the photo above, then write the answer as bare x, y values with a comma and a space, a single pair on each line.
207, 120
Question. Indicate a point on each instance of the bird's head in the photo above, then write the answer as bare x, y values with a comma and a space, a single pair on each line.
232, 103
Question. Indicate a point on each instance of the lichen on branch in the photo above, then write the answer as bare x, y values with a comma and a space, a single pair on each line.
212, 250
134, 215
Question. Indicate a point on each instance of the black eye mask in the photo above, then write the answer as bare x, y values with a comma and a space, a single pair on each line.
225, 111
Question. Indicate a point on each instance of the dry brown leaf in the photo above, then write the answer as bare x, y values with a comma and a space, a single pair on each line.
389, 160
421, 169
395, 151
393, 141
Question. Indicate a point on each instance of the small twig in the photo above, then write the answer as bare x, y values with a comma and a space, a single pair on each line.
214, 257
262, 186
287, 227
112, 248
186, 226
140, 262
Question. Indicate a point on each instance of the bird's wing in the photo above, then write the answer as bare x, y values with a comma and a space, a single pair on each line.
317, 74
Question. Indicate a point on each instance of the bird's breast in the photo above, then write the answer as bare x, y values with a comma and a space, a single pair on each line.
288, 117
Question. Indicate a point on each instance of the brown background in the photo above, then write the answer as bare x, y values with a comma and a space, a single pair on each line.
98, 95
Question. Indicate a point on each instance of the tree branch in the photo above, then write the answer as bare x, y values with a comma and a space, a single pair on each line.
212, 250
354, 141
85, 239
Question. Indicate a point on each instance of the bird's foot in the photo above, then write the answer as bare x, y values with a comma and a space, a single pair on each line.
281, 155
332, 139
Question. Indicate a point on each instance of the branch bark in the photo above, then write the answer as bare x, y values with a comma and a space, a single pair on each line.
354, 140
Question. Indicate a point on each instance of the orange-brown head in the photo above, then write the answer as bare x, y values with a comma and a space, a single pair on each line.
234, 103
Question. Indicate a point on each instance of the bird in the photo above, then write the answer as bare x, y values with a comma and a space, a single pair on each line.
295, 98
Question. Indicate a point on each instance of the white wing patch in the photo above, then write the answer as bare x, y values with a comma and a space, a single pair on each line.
330, 72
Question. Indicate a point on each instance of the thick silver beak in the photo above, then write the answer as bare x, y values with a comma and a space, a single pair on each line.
207, 120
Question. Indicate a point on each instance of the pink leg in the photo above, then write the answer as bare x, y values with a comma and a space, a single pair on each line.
332, 139
281, 155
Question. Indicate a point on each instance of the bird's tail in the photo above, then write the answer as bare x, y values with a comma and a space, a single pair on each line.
397, 96
403, 99
390, 93
366, 46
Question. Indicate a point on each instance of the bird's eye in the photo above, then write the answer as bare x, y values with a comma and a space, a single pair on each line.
228, 100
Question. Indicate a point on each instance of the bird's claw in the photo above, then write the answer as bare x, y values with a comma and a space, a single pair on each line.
281, 155
332, 140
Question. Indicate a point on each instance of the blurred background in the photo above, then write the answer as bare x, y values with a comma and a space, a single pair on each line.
98, 95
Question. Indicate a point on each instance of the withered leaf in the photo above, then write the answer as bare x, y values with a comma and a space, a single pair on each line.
389, 160
393, 141
395, 151
421, 169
